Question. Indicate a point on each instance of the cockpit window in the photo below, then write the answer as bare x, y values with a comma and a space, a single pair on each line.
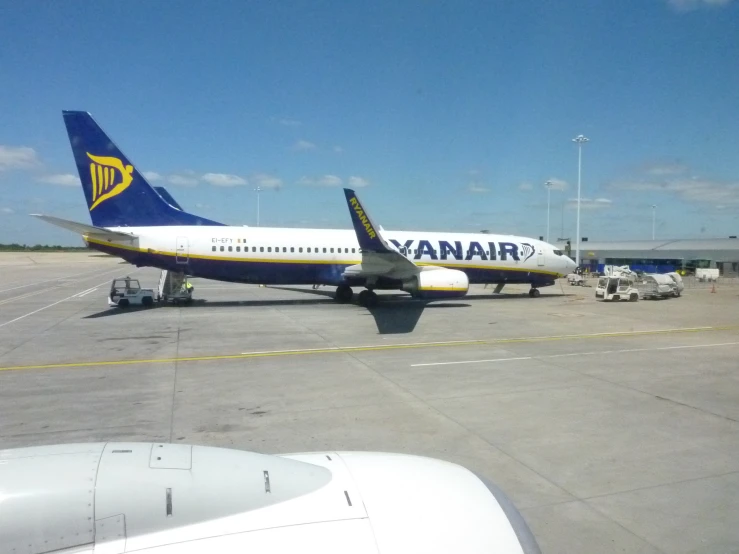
558, 252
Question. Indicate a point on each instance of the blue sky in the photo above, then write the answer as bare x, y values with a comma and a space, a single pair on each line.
447, 115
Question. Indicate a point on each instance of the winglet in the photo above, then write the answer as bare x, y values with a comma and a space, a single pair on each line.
367, 235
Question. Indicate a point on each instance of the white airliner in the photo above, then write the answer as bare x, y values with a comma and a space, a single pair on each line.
146, 228
158, 498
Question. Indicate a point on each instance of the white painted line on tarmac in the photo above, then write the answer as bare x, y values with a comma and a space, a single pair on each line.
54, 304
86, 292
28, 295
55, 287
492, 360
91, 274
575, 354
386, 345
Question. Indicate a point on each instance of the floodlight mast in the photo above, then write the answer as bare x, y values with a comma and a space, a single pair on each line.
548, 184
258, 190
580, 140
654, 218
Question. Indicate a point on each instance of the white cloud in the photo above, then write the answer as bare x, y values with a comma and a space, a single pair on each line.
223, 179
17, 157
358, 182
265, 181
287, 122
152, 176
323, 181
7, 210
661, 169
477, 188
338, 149
62, 179
558, 184
303, 145
590, 203
525, 186
183, 180
689, 5
689, 189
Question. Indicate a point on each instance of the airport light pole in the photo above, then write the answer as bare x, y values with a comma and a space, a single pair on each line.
548, 184
580, 140
654, 218
258, 190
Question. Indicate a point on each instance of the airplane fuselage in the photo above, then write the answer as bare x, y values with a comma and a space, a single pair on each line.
319, 256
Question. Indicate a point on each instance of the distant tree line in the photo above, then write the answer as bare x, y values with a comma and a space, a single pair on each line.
15, 247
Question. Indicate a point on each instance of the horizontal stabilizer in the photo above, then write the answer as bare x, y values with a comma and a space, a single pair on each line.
82, 229
164, 193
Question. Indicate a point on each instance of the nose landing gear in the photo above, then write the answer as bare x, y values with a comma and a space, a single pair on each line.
534, 293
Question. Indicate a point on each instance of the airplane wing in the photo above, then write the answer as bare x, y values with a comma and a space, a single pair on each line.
379, 259
82, 229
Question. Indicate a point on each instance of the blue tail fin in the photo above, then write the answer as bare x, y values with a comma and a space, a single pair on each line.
117, 194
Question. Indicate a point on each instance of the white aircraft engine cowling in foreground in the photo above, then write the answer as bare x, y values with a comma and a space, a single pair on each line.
163, 498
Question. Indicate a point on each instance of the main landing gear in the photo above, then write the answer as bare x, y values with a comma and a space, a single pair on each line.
344, 294
534, 293
368, 298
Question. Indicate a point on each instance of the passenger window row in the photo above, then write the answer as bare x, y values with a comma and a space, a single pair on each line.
284, 249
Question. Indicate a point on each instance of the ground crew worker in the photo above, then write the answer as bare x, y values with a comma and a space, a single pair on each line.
189, 288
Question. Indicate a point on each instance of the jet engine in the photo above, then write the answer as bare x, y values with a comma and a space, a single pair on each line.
180, 499
438, 283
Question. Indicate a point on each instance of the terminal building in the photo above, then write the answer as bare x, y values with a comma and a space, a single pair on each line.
659, 256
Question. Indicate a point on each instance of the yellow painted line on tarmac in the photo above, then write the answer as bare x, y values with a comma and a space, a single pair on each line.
372, 348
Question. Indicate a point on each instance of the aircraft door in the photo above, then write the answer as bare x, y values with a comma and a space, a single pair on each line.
182, 252
540, 258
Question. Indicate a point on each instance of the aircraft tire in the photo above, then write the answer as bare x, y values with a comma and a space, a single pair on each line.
368, 298
343, 294
534, 293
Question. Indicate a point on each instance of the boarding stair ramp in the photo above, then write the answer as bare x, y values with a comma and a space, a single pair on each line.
172, 286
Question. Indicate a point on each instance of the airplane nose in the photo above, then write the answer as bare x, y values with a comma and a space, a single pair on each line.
570, 265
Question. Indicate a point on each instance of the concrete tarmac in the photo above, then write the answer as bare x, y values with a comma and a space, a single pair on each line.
614, 427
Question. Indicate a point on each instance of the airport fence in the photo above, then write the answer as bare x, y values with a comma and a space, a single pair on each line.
692, 283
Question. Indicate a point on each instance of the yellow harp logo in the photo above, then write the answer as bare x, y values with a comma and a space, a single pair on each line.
104, 171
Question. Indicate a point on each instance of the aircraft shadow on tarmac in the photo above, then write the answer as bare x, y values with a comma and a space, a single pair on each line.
201, 303
394, 314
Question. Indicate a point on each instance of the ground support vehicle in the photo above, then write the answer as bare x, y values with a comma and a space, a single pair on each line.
125, 292
615, 289
662, 285
679, 285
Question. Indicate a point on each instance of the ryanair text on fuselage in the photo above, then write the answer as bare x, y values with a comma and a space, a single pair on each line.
454, 250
